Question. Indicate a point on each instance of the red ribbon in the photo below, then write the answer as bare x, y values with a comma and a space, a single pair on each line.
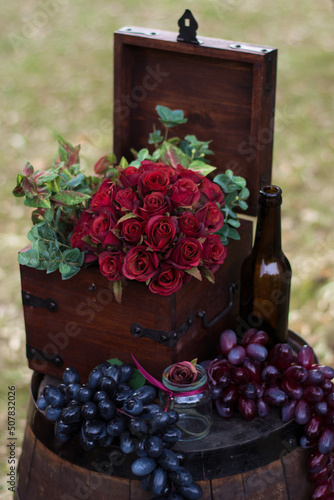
161, 386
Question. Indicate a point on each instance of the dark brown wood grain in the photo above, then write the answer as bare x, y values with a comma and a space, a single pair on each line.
89, 326
227, 94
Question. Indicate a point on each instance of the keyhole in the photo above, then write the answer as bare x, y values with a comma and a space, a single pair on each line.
187, 22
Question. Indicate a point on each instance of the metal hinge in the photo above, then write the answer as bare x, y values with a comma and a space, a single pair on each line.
39, 355
168, 339
28, 299
250, 48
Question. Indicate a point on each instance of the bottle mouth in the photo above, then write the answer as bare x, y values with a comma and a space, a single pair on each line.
270, 195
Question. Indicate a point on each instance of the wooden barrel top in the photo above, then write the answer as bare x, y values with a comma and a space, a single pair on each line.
232, 447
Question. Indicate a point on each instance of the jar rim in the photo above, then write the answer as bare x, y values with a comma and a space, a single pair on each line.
185, 387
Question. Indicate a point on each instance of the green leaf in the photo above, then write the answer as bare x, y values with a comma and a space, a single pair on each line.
244, 194
234, 223
72, 272
173, 156
64, 268
195, 272
43, 176
37, 202
29, 258
200, 166
243, 205
156, 155
71, 254
69, 197
123, 163
76, 181
48, 214
208, 274
143, 154
233, 234
155, 137
135, 163
170, 118
117, 288
137, 380
240, 182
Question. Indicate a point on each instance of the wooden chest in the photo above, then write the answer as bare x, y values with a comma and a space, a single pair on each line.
227, 91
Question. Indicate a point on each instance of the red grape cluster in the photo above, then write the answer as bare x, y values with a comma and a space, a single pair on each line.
249, 379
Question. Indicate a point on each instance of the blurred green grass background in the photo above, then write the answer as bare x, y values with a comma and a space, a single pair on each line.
56, 77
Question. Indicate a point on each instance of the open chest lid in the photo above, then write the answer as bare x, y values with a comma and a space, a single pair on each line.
226, 90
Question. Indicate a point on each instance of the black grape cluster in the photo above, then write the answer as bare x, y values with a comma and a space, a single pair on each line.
249, 379
107, 410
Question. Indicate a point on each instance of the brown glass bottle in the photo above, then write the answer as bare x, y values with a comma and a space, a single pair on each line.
266, 273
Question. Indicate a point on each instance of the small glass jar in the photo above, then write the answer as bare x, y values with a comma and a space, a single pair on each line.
192, 402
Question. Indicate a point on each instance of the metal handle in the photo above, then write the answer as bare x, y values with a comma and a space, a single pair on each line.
202, 314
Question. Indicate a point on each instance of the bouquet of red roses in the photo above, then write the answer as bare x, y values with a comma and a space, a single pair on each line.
153, 224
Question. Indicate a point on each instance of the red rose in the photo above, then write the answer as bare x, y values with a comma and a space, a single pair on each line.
104, 195
185, 193
212, 191
154, 204
187, 253
111, 265
100, 227
80, 232
131, 230
211, 216
161, 231
127, 199
129, 176
190, 225
140, 264
155, 180
186, 173
214, 252
168, 281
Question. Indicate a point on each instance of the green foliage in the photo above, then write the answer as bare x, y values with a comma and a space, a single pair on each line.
236, 192
170, 118
58, 196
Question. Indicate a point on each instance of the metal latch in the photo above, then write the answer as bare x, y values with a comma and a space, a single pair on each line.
188, 27
251, 48
169, 339
28, 299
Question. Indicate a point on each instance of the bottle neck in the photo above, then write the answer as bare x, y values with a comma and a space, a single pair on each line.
268, 231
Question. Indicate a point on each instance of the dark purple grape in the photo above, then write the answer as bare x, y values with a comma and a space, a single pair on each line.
72, 392
158, 480
71, 376
173, 416
133, 406
172, 435
257, 352
327, 386
230, 395
305, 357
108, 385
263, 408
313, 394
94, 378
248, 391
52, 413
288, 411
330, 418
143, 466
126, 370
253, 369
117, 426
248, 336
138, 426
87, 444
313, 427
326, 441
302, 412
330, 400
154, 446
317, 461
158, 422
247, 408
94, 429
227, 341
224, 410
240, 375
327, 371
99, 395
145, 394
314, 377
292, 389
127, 443
223, 376
181, 477
63, 437
85, 394
191, 492
275, 397
41, 403
260, 337
71, 414
53, 396
296, 373
105, 441
107, 409
168, 460
113, 372
319, 477
89, 410
122, 396
216, 391
321, 491
237, 355
321, 408
270, 374
281, 355
307, 444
